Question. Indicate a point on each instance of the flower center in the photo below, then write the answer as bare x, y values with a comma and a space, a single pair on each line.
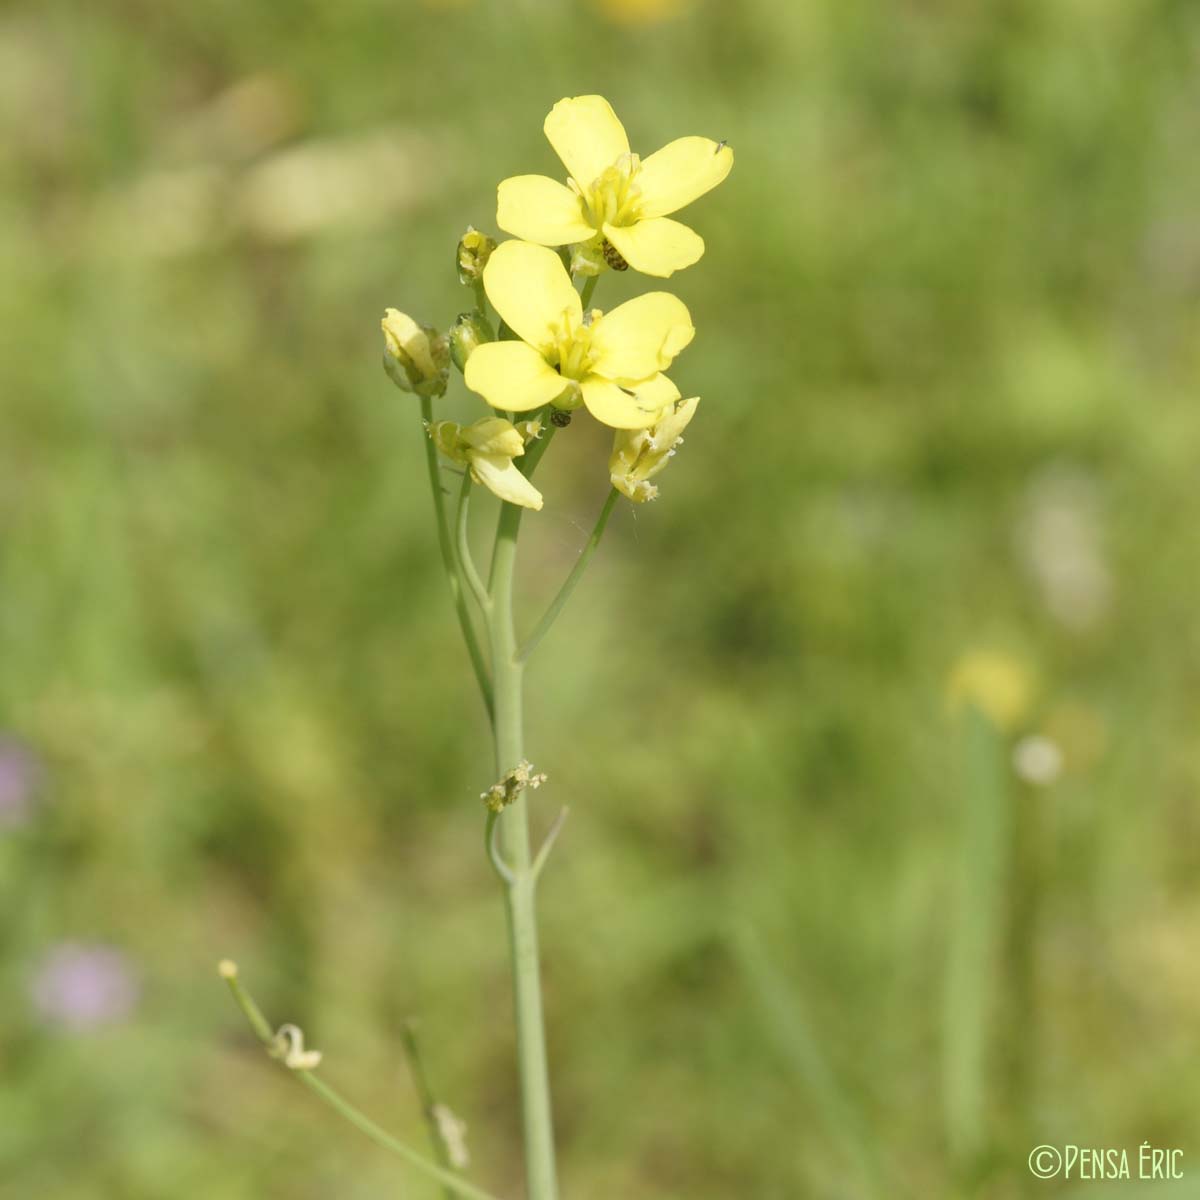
572, 352
614, 197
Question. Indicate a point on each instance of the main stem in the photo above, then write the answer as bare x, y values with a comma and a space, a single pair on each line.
507, 678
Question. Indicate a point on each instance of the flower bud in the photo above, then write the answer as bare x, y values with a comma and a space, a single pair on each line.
639, 454
414, 356
470, 330
474, 249
587, 258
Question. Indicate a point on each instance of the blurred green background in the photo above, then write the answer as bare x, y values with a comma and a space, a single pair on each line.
809, 932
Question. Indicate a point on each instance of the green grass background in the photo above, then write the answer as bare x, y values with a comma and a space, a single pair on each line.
947, 344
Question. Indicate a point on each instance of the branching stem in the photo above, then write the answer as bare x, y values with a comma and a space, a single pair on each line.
453, 578
361, 1122
564, 593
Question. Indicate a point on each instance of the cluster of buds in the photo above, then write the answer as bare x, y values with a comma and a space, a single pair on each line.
505, 790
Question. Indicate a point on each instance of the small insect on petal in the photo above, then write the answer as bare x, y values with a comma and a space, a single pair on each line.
613, 257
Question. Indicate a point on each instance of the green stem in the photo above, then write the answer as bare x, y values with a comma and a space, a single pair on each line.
588, 288
976, 940
466, 564
493, 851
359, 1120
564, 593
381, 1137
425, 1096
514, 849
452, 574
539, 859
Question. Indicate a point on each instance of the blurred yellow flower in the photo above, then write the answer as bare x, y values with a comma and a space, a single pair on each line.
614, 201
641, 12
610, 362
639, 454
999, 685
487, 447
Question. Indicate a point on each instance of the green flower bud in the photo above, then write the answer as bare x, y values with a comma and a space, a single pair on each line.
471, 329
587, 258
474, 249
415, 357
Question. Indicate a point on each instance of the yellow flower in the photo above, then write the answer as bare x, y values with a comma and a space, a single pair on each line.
487, 447
611, 362
641, 12
639, 454
1000, 686
615, 199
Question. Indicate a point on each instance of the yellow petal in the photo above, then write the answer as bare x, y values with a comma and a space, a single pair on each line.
532, 291
498, 473
627, 408
680, 172
493, 435
640, 337
657, 393
670, 428
512, 376
541, 210
656, 246
586, 135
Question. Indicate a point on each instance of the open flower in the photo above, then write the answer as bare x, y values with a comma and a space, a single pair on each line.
487, 447
615, 202
612, 362
639, 454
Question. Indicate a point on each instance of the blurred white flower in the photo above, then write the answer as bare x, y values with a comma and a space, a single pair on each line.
335, 182
316, 187
1060, 541
453, 1132
250, 116
1037, 760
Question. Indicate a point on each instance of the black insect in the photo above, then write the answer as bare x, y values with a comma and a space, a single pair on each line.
612, 256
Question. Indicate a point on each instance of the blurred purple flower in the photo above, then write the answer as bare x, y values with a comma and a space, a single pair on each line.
19, 776
83, 985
